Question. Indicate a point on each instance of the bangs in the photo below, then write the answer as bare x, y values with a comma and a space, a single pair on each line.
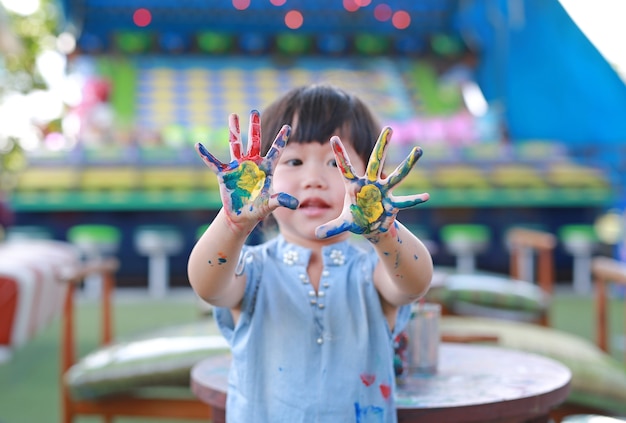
318, 112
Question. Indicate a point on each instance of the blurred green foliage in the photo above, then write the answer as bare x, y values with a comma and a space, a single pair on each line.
34, 33
27, 36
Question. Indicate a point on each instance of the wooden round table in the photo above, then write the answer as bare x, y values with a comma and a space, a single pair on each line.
474, 383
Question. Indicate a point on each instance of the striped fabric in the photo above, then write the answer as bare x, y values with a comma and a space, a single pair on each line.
31, 288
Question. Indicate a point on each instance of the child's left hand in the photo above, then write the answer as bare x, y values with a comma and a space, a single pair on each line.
370, 208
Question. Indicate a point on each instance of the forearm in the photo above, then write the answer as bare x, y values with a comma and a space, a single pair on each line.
406, 268
213, 262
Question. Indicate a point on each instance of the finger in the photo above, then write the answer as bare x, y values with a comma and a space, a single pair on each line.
254, 135
209, 159
277, 146
408, 201
405, 167
374, 166
234, 137
334, 227
282, 200
343, 161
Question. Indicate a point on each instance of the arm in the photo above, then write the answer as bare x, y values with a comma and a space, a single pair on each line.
246, 193
405, 268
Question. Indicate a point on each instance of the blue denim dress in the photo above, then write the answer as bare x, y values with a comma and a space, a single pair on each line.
304, 356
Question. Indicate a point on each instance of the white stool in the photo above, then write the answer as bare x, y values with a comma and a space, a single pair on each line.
95, 241
158, 242
579, 240
465, 241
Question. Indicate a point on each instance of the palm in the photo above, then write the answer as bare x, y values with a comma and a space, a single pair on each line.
370, 207
246, 182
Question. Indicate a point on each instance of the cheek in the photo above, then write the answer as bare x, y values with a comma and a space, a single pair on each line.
283, 216
337, 184
280, 182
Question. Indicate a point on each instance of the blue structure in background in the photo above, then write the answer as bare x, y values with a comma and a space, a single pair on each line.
550, 80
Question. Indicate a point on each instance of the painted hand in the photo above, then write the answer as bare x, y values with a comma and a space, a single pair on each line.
370, 208
246, 182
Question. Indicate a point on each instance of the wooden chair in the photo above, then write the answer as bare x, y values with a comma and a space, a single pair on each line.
524, 244
523, 241
605, 270
126, 404
514, 297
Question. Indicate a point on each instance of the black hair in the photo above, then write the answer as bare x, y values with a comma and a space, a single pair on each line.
319, 112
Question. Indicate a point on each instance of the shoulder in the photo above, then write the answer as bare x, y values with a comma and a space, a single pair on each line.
266, 248
254, 256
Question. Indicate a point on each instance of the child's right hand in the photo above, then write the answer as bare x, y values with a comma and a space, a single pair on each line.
246, 182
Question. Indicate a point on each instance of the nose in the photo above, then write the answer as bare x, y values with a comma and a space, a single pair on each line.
316, 177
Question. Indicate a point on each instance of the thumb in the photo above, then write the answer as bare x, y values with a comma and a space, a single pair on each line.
334, 227
282, 200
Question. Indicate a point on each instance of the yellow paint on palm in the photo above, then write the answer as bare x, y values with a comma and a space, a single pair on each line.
251, 178
369, 201
373, 167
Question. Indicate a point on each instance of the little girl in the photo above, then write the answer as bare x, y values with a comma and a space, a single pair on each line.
310, 317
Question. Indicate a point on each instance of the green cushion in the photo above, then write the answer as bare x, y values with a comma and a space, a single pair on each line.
89, 233
491, 296
470, 232
578, 232
598, 380
162, 360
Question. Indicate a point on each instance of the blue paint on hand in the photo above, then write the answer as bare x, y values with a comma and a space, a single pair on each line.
288, 201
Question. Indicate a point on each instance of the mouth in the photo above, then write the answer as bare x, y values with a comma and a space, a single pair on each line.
314, 205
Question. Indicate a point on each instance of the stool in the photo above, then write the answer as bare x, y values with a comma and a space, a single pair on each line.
465, 241
27, 232
95, 242
158, 242
579, 240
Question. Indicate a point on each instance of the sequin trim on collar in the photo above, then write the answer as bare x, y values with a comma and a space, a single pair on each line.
290, 257
337, 257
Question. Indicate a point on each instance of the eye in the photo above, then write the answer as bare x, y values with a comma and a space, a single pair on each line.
293, 162
332, 163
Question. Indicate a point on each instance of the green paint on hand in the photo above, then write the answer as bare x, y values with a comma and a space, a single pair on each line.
244, 184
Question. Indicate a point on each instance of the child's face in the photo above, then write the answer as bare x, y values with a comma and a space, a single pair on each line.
309, 173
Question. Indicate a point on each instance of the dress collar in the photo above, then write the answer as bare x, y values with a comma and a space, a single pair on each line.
296, 255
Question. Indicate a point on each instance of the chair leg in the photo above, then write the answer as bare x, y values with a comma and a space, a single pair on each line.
66, 416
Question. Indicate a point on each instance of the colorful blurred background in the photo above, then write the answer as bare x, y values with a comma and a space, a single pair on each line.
518, 110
